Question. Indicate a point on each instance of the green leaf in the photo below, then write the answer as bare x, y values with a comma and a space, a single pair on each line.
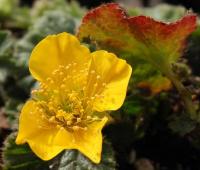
20, 157
74, 160
13, 15
182, 124
6, 43
12, 109
132, 107
20, 18
6, 8
46, 24
42, 27
71, 8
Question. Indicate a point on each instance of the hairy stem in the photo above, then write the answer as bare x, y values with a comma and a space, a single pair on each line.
184, 93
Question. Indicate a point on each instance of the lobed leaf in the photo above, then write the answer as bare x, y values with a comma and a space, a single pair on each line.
6, 43
111, 28
140, 37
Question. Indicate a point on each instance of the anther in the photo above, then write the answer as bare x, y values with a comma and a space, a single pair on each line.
52, 119
104, 84
98, 76
89, 117
96, 95
63, 86
69, 122
56, 91
55, 72
62, 128
51, 109
92, 72
95, 118
48, 79
78, 120
60, 66
61, 73
33, 91
41, 90
75, 128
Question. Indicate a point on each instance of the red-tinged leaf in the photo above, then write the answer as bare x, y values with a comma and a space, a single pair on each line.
107, 25
140, 37
167, 38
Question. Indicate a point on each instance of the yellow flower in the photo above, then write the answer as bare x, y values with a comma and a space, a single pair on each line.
68, 110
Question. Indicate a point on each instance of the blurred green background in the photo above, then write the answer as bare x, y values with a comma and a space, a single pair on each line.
150, 132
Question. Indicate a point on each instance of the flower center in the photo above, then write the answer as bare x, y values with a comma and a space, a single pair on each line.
61, 99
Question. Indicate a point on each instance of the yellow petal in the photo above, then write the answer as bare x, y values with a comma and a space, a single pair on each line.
47, 142
41, 140
55, 50
29, 119
114, 73
43, 145
88, 142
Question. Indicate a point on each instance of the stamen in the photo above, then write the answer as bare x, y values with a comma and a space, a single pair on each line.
92, 72
52, 119
75, 128
61, 100
89, 117
69, 123
98, 77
